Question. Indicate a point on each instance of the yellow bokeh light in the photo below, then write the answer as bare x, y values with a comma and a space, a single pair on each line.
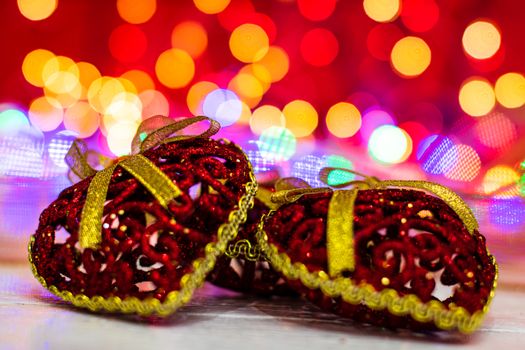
501, 180
476, 97
249, 43
191, 37
409, 148
510, 90
102, 91
410, 56
33, 66
248, 88
58, 64
87, 73
128, 85
175, 68
62, 82
63, 88
44, 114
211, 7
37, 10
300, 118
196, 95
264, 117
481, 40
343, 120
82, 119
275, 62
136, 11
119, 137
382, 10
154, 103
125, 108
260, 73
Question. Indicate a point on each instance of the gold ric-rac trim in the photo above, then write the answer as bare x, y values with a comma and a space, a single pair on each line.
244, 249
364, 293
189, 282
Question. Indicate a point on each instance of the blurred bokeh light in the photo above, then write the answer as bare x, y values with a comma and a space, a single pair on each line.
421, 89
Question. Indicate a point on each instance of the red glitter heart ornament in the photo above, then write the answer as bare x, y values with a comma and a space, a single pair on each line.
383, 253
149, 256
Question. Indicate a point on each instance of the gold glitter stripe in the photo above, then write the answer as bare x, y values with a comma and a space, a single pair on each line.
149, 175
340, 232
448, 196
91, 219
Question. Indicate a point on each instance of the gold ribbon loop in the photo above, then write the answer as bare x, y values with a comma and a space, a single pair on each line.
160, 129
366, 183
290, 189
290, 196
76, 159
290, 183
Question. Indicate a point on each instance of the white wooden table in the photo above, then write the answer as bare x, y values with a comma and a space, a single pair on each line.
31, 318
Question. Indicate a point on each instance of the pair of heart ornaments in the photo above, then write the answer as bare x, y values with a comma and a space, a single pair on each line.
142, 234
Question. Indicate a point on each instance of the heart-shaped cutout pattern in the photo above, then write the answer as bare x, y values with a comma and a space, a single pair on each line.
150, 257
391, 257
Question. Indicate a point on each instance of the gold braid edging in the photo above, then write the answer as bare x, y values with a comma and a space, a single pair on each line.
364, 293
189, 282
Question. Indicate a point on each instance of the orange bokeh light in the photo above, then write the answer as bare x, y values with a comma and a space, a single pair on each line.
211, 7
82, 119
44, 114
175, 68
191, 37
154, 103
33, 66
249, 43
37, 10
196, 95
136, 11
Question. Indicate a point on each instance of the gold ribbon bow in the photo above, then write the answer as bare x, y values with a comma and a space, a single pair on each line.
151, 133
340, 230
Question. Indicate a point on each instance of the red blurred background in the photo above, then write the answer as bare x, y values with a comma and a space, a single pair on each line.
332, 53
